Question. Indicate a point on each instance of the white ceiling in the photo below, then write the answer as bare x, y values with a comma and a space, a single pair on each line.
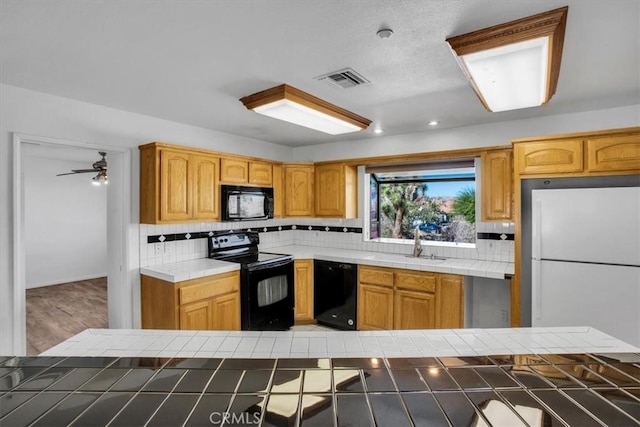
190, 61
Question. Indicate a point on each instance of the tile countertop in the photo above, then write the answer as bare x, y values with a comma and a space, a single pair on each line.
193, 269
502, 390
186, 270
303, 344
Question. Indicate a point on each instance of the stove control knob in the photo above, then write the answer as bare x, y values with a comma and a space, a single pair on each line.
350, 322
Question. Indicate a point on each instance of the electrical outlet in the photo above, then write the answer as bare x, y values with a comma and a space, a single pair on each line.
157, 249
504, 316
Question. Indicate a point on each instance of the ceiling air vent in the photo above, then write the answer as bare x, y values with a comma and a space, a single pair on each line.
343, 79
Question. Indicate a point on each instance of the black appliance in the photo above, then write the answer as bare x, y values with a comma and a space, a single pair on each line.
335, 294
240, 203
266, 280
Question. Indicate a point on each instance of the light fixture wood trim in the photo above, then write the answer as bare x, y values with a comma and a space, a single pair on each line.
290, 93
551, 23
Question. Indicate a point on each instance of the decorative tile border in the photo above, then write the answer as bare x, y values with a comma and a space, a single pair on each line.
495, 236
192, 235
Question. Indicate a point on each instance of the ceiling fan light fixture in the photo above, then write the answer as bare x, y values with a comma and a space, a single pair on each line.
292, 105
100, 179
514, 65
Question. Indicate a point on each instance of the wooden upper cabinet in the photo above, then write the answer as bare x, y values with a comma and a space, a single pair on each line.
299, 190
177, 185
336, 187
278, 191
614, 153
549, 157
260, 173
497, 187
234, 171
204, 180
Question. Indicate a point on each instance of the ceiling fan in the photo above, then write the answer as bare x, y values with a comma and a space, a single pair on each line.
100, 167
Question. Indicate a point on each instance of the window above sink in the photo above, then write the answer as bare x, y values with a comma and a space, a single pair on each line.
436, 200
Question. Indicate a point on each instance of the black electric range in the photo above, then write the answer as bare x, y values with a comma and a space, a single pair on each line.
266, 280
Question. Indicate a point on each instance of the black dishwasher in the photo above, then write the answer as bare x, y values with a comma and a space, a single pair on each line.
335, 294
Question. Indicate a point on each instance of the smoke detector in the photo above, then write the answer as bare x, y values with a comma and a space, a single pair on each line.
343, 79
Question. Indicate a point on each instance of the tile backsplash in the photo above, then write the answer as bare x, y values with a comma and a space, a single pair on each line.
494, 243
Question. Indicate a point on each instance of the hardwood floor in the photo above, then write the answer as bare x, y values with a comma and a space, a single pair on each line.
55, 313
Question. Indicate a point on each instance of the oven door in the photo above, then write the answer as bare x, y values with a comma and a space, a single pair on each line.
267, 296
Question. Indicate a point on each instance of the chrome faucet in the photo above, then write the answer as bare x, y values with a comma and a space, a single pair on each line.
417, 244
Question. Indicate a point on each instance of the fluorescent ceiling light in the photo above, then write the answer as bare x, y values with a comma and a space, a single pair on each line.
514, 65
295, 106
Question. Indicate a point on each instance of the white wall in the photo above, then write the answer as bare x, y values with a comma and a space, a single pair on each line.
35, 113
65, 220
491, 134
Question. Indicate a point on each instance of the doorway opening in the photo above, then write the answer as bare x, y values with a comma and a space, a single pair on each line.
91, 267
66, 260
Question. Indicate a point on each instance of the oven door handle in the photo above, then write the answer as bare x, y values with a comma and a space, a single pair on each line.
271, 264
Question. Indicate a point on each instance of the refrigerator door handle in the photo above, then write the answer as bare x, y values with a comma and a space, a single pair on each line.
536, 271
536, 230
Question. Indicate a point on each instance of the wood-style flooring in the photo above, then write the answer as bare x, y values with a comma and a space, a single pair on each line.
58, 312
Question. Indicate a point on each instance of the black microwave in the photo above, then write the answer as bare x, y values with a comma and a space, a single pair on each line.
241, 203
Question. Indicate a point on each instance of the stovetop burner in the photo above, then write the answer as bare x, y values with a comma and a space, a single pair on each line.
241, 247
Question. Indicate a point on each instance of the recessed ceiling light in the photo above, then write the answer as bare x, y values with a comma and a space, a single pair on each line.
433, 123
378, 130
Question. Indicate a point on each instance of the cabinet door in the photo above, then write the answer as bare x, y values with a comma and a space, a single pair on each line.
234, 171
614, 153
414, 310
278, 191
375, 308
299, 187
303, 273
226, 312
450, 301
195, 316
175, 199
205, 187
496, 185
549, 157
260, 174
329, 190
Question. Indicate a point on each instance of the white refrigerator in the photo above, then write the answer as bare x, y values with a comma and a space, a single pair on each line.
585, 263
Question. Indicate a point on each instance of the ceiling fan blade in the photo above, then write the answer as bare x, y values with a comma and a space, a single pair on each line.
75, 172
84, 170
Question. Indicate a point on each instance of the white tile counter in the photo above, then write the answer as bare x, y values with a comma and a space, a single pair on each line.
303, 344
185, 270
465, 267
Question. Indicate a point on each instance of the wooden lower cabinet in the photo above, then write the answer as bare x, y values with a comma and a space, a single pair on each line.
195, 316
303, 279
450, 301
207, 303
375, 307
390, 298
414, 310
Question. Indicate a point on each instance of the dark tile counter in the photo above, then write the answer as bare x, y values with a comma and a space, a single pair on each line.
537, 390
